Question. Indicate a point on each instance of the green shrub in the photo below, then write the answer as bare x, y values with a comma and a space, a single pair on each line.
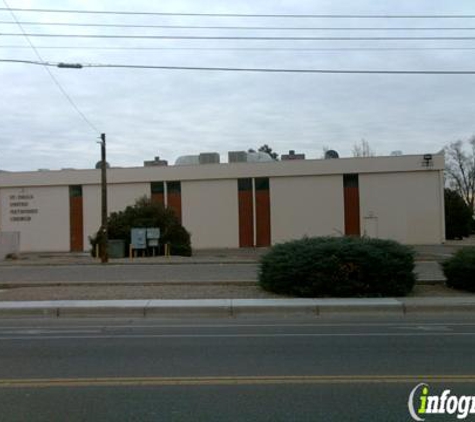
338, 267
147, 214
460, 269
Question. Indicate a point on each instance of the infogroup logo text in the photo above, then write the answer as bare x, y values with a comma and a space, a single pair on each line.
421, 404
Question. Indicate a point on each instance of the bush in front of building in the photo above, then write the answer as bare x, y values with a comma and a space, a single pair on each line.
459, 270
147, 214
458, 217
338, 267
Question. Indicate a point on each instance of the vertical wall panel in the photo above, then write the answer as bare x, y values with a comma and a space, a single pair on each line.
157, 193
352, 204
174, 198
210, 212
262, 212
76, 219
245, 203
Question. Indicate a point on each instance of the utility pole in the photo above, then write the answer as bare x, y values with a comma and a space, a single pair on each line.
103, 237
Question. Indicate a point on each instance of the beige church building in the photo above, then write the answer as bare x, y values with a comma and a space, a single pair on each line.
237, 204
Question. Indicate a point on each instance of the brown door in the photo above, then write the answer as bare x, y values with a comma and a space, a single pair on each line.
352, 204
262, 212
76, 225
157, 193
246, 223
174, 198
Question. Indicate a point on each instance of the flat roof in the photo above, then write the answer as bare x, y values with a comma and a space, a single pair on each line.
287, 168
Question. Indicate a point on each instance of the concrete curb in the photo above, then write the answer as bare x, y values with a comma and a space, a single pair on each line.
234, 307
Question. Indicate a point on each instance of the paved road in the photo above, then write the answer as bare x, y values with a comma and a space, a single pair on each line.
181, 272
241, 370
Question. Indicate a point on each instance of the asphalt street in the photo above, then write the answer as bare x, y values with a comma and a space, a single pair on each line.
163, 272
333, 369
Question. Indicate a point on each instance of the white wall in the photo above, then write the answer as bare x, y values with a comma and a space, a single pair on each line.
47, 208
402, 206
311, 206
210, 213
118, 198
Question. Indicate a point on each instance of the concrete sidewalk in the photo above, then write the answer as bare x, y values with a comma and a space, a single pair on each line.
236, 307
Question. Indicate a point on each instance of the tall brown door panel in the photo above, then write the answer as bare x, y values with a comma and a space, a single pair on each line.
352, 204
157, 193
246, 219
262, 212
76, 219
174, 198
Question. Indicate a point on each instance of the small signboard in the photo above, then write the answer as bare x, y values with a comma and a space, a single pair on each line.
139, 238
153, 243
153, 233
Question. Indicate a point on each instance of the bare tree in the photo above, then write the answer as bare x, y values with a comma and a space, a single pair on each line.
268, 150
363, 149
460, 170
325, 149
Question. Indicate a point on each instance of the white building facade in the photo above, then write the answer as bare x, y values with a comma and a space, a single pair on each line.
237, 204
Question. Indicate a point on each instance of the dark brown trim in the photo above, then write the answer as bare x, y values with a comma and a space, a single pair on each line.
352, 204
76, 219
246, 219
174, 198
263, 237
157, 194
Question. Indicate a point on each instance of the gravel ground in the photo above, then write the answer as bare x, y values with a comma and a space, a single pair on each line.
173, 292
135, 292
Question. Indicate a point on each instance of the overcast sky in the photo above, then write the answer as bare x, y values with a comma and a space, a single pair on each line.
169, 113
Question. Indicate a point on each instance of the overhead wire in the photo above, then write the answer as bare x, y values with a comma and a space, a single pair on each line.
243, 38
242, 69
53, 78
138, 48
253, 28
246, 15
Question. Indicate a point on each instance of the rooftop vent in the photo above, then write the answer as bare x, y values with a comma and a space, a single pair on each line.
155, 162
99, 165
331, 154
292, 156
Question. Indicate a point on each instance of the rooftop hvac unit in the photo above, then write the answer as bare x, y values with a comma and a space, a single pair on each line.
209, 158
237, 156
186, 160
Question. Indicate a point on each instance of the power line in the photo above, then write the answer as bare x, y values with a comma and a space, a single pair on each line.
247, 15
244, 69
56, 82
137, 48
238, 38
265, 28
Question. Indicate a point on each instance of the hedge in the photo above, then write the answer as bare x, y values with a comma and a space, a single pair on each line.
338, 267
459, 270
